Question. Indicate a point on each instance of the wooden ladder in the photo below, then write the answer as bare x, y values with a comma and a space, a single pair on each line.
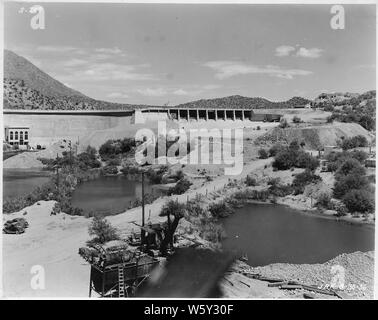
121, 282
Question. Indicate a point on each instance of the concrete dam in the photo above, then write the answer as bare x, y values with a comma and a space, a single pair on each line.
94, 127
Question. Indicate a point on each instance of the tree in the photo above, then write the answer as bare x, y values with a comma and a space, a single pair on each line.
181, 187
102, 230
177, 211
350, 166
304, 178
324, 200
263, 154
359, 201
344, 184
275, 149
307, 161
220, 209
354, 142
285, 159
250, 181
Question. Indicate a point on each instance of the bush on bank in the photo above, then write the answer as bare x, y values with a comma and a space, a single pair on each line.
102, 231
359, 201
293, 156
220, 209
181, 187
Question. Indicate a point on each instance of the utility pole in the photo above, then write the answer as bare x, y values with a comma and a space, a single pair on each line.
57, 173
142, 231
70, 146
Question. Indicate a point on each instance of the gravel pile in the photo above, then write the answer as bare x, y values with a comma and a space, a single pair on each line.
358, 266
28, 160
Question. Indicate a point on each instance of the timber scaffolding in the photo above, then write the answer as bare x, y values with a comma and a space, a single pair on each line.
115, 270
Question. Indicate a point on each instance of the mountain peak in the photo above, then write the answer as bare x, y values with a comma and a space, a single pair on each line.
19, 68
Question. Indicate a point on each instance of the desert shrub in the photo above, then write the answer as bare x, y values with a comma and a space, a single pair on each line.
297, 119
259, 195
110, 169
63, 204
14, 204
359, 155
156, 175
102, 230
284, 160
263, 154
354, 142
359, 201
130, 169
303, 179
87, 161
336, 159
276, 148
108, 148
340, 209
350, 166
112, 148
173, 208
283, 123
307, 161
211, 231
179, 175
181, 187
114, 162
294, 156
194, 209
294, 146
344, 184
250, 181
220, 209
273, 182
280, 190
324, 200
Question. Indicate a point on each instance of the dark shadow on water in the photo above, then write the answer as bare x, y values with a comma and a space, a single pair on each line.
189, 273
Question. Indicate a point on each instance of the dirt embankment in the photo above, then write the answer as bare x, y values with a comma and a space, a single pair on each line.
313, 136
29, 160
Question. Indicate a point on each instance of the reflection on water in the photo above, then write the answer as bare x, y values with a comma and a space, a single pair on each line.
108, 195
19, 182
189, 273
267, 234
274, 233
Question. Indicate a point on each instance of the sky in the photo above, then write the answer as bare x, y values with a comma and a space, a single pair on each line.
175, 53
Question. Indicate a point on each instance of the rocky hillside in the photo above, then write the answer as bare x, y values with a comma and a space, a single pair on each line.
347, 107
314, 137
28, 87
339, 99
18, 95
240, 102
16, 67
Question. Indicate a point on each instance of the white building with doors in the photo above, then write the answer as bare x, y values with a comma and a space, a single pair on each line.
17, 136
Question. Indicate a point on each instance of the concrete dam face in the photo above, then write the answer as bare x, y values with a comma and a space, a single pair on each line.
93, 127
46, 129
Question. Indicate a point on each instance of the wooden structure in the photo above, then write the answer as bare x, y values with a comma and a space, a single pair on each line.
116, 271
